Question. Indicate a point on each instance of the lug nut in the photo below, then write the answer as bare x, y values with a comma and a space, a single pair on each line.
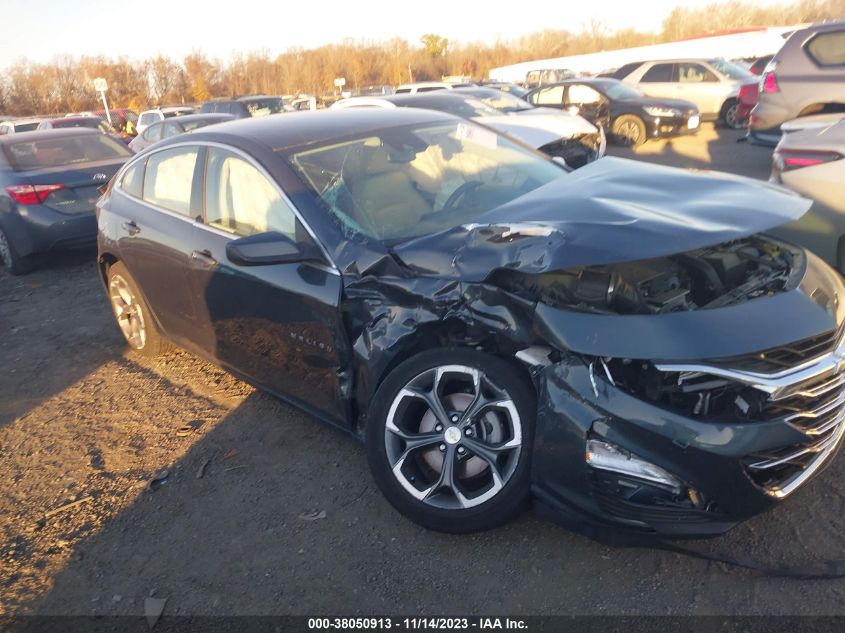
461, 450
468, 432
442, 447
438, 428
454, 418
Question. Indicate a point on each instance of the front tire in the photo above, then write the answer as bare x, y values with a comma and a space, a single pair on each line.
449, 440
14, 263
132, 313
629, 130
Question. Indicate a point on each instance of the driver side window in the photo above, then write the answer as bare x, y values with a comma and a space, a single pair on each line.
239, 198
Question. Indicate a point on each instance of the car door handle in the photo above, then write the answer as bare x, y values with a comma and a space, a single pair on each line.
131, 228
204, 257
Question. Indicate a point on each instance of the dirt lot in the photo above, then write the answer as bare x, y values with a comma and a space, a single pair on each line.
82, 420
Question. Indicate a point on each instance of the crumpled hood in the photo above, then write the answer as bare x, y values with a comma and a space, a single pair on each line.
540, 129
612, 210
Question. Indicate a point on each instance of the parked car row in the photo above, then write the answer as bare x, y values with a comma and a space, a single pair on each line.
556, 133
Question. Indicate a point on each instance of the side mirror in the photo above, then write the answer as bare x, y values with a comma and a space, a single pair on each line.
269, 248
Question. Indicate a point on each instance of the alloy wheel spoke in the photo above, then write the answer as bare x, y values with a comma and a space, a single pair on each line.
476, 407
488, 452
447, 477
433, 401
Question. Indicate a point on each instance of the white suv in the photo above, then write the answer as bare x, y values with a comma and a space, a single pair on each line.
711, 84
428, 86
148, 117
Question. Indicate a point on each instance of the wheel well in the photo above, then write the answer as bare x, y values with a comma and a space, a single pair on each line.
106, 261
433, 338
727, 104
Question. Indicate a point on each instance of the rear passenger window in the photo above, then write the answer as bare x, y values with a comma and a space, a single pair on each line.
658, 73
828, 49
169, 178
694, 73
239, 199
133, 179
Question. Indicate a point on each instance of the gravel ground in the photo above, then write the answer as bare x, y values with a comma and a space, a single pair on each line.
285, 518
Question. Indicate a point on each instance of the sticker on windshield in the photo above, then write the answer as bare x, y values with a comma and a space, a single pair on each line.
476, 135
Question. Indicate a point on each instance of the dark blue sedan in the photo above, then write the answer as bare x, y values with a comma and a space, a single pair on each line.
49, 184
620, 340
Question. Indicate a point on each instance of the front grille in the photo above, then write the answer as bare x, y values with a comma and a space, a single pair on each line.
817, 409
804, 387
784, 357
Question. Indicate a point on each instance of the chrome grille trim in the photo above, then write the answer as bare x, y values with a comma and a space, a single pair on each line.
786, 488
779, 385
809, 397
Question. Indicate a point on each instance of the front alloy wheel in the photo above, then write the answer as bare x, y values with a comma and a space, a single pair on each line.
450, 451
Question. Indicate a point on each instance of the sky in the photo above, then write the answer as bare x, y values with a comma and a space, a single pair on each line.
143, 28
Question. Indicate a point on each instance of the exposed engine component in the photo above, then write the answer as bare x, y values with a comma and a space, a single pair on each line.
706, 278
695, 394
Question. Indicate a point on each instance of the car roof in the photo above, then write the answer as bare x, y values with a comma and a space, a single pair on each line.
203, 116
477, 90
24, 121
81, 117
292, 129
37, 135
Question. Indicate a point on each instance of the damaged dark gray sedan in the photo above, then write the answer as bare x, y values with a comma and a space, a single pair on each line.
621, 342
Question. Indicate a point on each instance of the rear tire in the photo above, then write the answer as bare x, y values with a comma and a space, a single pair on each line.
14, 263
449, 440
729, 116
629, 130
132, 313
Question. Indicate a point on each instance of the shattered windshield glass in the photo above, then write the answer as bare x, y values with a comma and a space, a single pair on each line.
408, 181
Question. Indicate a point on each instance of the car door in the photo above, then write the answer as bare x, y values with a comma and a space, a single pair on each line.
699, 84
659, 80
589, 103
277, 324
157, 210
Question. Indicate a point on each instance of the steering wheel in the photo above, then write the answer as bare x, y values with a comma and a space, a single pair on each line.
459, 193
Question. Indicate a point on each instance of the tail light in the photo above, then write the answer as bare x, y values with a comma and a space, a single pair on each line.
789, 159
769, 83
31, 194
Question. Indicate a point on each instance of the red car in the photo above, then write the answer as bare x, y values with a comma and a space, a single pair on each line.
747, 101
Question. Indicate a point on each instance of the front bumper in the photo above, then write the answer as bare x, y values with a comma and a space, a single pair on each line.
665, 127
729, 470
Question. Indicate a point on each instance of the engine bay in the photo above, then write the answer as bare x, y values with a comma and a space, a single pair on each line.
712, 277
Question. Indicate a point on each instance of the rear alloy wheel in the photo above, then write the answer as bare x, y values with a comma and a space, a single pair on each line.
449, 440
629, 130
730, 116
132, 313
13, 262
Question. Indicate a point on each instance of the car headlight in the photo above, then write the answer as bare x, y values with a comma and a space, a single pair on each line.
606, 456
658, 111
